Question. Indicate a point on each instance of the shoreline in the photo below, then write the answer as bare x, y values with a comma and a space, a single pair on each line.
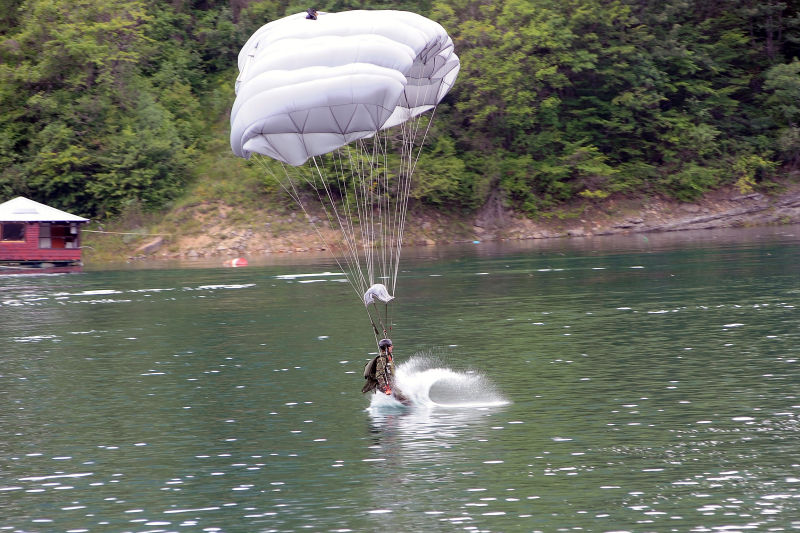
219, 232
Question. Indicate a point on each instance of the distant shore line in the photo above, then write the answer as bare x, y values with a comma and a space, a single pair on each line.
268, 234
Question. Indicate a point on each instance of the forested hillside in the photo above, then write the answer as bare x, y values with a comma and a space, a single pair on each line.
108, 104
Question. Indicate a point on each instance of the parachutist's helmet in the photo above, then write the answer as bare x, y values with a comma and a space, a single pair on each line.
384, 344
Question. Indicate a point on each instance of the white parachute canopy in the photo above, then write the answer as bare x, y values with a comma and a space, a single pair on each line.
377, 292
348, 93
307, 87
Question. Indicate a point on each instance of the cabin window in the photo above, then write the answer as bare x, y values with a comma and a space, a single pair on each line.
54, 235
13, 231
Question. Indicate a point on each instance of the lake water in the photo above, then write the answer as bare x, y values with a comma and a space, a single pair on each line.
627, 384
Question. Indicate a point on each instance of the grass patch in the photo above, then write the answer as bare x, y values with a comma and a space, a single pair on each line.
115, 239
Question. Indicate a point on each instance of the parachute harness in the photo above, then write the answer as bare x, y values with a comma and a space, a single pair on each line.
383, 332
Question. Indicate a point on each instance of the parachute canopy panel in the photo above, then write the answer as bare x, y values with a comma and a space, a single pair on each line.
378, 292
307, 87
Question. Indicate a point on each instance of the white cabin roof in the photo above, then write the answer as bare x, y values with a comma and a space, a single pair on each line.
23, 210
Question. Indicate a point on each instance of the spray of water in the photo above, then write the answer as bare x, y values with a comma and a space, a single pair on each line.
428, 382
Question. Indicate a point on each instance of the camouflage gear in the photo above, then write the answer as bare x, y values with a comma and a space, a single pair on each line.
384, 372
379, 373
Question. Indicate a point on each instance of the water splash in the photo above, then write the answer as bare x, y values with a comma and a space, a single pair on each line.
429, 383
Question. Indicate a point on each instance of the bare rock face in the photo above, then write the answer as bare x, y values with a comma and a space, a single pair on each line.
150, 247
494, 214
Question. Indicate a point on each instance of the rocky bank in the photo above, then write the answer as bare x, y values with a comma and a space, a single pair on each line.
220, 230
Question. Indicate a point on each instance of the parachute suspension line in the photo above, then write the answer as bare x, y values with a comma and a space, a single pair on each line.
371, 195
424, 137
361, 192
350, 201
384, 331
407, 165
403, 190
335, 219
346, 224
378, 178
387, 210
289, 186
332, 213
380, 330
404, 184
375, 204
339, 221
360, 201
385, 202
365, 203
412, 164
408, 161
343, 222
375, 213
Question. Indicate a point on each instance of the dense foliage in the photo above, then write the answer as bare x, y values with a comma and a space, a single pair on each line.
107, 103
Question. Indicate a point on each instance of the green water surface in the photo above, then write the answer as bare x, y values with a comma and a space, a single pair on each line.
646, 385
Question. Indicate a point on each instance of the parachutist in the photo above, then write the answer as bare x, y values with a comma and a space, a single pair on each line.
379, 373
332, 84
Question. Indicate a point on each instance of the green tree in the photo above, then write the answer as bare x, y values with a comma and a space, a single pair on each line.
76, 69
782, 86
106, 103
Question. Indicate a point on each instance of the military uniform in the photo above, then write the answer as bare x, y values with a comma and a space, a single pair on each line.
379, 373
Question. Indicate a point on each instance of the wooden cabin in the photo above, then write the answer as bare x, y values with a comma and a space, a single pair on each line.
33, 233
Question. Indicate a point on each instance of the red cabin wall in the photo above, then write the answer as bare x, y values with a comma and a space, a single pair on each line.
28, 250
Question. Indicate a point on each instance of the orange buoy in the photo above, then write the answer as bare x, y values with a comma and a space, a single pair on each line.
238, 262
